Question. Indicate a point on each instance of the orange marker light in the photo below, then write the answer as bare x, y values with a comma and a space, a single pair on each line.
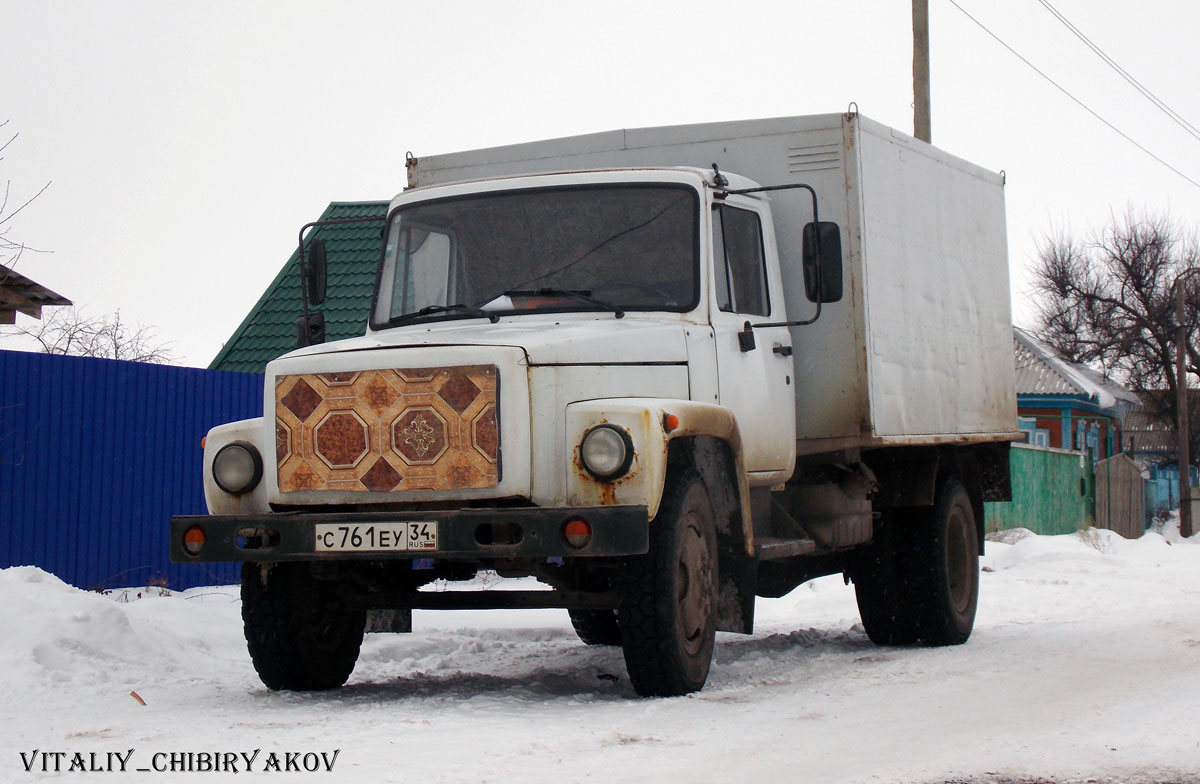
203, 441
670, 422
193, 540
577, 532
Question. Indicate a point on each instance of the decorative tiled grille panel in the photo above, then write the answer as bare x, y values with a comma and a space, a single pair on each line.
381, 430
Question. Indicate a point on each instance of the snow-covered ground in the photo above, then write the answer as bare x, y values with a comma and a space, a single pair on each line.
1084, 665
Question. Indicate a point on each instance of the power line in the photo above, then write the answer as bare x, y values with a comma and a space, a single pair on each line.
1141, 88
1067, 93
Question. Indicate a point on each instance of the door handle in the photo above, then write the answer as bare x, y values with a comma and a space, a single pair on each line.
746, 340
783, 351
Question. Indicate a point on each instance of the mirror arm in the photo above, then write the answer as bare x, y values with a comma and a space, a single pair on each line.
306, 323
816, 241
303, 259
303, 275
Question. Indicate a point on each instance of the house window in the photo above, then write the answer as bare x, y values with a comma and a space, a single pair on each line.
1034, 435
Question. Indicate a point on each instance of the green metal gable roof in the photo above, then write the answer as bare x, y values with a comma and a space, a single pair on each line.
352, 254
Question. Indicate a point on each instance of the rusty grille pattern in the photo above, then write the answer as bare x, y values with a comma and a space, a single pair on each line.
381, 430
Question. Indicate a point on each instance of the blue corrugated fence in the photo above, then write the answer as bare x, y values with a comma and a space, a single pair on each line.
95, 457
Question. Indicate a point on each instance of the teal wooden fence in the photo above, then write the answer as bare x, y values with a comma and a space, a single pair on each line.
1053, 492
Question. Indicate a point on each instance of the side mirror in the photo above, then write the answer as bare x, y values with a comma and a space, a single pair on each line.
310, 330
829, 263
314, 272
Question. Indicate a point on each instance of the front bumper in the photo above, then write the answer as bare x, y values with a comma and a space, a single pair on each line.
523, 532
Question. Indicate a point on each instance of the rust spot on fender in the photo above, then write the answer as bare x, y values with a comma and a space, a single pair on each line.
608, 493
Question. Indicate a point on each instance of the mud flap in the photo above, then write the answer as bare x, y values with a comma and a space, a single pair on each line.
737, 577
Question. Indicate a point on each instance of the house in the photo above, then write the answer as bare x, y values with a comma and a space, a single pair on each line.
352, 256
1072, 473
1063, 405
1151, 441
19, 294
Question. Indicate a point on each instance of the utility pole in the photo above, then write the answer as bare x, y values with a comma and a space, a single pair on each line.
1182, 429
921, 119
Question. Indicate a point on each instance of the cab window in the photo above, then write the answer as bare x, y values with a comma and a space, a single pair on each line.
741, 274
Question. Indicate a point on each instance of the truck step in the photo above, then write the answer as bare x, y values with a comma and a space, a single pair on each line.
770, 548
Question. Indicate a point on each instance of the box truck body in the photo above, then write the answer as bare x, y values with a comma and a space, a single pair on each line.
920, 348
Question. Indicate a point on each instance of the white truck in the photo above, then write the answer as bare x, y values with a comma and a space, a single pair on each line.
664, 371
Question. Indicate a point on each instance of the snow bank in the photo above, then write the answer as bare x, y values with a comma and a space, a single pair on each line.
65, 635
1080, 549
63, 639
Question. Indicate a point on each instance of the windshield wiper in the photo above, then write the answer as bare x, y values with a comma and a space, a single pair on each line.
582, 296
457, 307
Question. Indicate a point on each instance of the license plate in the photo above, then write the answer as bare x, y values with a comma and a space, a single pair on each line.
376, 537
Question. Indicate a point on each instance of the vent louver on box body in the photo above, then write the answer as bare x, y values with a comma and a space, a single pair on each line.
817, 157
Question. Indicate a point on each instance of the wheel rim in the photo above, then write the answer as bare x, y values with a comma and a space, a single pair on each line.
327, 627
695, 575
958, 560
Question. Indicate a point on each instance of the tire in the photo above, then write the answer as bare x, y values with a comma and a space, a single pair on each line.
667, 616
300, 635
919, 580
596, 627
884, 598
945, 571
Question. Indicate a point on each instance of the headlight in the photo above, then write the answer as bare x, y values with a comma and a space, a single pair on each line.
237, 468
606, 452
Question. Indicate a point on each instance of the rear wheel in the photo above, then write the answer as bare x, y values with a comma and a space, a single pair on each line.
946, 568
301, 637
920, 578
596, 627
884, 598
667, 617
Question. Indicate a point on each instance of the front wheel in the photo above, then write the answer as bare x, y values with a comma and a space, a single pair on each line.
667, 616
300, 635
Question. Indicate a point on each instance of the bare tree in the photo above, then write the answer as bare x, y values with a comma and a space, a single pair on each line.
1107, 301
69, 331
11, 248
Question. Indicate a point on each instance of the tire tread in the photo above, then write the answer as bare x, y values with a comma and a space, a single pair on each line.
280, 646
647, 604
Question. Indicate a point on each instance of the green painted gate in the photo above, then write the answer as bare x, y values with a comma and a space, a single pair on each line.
1053, 492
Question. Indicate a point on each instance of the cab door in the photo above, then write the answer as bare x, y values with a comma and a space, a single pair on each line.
754, 376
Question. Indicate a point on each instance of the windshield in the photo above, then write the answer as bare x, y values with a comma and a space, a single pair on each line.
603, 247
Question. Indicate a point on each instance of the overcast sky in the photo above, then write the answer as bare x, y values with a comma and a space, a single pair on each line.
187, 142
